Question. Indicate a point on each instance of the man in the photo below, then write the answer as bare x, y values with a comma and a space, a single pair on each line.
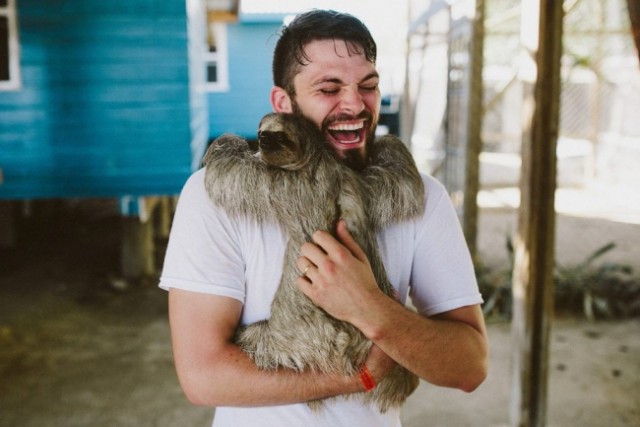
222, 273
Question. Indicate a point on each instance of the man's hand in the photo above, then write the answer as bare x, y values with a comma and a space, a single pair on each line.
448, 349
338, 277
337, 274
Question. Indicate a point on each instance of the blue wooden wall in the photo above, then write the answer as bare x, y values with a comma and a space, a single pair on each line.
104, 108
239, 110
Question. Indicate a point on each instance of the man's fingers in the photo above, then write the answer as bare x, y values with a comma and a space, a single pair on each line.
347, 240
312, 251
304, 266
337, 248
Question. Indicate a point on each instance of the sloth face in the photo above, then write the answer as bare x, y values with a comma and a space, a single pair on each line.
276, 149
285, 140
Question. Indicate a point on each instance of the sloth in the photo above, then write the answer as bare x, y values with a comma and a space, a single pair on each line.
295, 180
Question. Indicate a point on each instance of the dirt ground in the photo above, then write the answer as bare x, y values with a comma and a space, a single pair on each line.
77, 348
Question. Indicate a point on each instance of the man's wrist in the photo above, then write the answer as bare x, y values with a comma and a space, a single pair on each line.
371, 323
367, 380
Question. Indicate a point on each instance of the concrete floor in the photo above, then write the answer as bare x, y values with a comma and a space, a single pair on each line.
75, 350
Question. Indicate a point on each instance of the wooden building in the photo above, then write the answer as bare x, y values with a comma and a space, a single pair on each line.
120, 99
106, 103
244, 49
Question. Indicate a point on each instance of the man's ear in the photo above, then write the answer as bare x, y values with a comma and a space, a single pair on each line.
280, 100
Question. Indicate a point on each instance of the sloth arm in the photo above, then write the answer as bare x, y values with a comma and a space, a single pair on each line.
449, 349
213, 371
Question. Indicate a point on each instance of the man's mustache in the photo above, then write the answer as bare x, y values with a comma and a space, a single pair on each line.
364, 115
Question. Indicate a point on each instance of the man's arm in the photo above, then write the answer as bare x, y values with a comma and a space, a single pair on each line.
213, 371
449, 349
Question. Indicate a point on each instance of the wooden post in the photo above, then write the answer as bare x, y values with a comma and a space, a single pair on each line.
7, 232
474, 130
138, 240
164, 214
534, 244
137, 248
7, 225
634, 16
407, 110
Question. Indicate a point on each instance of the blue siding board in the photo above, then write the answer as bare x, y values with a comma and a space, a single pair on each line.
130, 73
86, 185
105, 106
159, 8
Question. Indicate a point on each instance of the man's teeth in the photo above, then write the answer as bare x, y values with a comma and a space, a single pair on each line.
346, 127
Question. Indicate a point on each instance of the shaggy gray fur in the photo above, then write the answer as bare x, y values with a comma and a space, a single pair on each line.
295, 180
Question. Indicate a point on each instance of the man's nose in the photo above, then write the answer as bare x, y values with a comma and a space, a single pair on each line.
351, 100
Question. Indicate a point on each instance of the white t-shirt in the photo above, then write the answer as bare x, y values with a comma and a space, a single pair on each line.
210, 253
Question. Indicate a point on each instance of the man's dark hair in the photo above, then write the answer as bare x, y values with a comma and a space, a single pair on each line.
289, 54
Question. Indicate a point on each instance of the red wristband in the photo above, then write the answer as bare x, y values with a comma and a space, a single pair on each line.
367, 379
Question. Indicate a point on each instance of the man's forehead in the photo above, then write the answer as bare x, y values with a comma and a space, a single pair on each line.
342, 48
330, 61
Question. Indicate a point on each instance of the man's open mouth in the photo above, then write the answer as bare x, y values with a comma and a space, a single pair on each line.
347, 135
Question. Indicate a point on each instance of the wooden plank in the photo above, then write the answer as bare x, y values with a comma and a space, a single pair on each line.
7, 223
137, 251
474, 130
634, 15
534, 244
222, 16
240, 109
105, 86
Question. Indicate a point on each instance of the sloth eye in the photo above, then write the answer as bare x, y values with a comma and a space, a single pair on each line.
273, 137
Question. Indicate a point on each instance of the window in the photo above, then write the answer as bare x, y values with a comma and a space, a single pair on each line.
216, 58
9, 60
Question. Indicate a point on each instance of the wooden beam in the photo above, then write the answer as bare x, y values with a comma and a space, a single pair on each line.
634, 15
7, 224
474, 130
534, 243
138, 249
222, 16
137, 255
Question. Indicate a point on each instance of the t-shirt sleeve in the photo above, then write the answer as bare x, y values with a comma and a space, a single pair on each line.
203, 254
443, 276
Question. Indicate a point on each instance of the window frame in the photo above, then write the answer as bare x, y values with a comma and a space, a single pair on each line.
220, 58
14, 82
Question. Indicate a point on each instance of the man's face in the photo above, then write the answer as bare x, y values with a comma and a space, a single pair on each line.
338, 91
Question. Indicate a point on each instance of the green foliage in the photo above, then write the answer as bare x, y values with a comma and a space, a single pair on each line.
608, 290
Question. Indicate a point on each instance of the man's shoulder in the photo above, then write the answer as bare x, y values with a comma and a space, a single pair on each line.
196, 178
431, 182
435, 192
194, 185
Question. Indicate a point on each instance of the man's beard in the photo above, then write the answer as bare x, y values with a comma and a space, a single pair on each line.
354, 159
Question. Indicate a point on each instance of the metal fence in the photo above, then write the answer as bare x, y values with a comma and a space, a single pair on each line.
600, 88
599, 142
